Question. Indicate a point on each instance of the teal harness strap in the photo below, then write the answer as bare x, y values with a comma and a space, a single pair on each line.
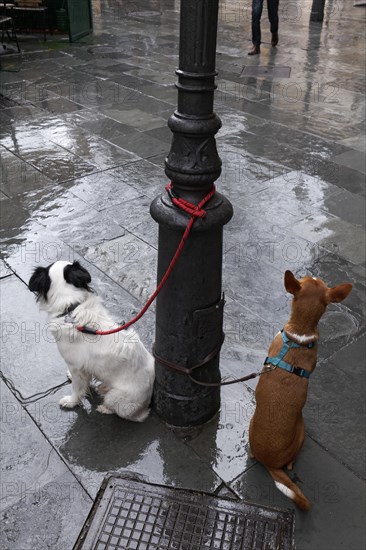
278, 361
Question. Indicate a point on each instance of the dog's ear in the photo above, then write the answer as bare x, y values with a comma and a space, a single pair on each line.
40, 282
75, 274
339, 293
292, 285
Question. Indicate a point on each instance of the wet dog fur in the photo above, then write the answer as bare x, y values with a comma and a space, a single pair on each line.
119, 361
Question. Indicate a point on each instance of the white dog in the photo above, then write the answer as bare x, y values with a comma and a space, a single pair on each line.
119, 361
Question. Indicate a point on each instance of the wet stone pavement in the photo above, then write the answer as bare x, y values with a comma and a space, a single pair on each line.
82, 145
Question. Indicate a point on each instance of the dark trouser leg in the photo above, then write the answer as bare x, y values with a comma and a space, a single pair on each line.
257, 7
273, 14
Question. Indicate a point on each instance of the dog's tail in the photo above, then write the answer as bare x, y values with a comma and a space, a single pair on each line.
289, 488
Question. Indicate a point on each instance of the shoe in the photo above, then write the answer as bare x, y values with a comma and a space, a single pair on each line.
274, 40
255, 50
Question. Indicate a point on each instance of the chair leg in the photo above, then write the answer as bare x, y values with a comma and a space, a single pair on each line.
15, 36
44, 26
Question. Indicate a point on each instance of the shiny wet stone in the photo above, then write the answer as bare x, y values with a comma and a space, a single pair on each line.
132, 216
42, 503
333, 269
16, 223
91, 228
5, 271
83, 144
103, 126
18, 176
352, 159
93, 149
22, 112
37, 366
149, 449
336, 494
329, 232
129, 261
59, 105
55, 162
356, 142
242, 171
147, 178
141, 144
222, 443
335, 410
346, 206
106, 189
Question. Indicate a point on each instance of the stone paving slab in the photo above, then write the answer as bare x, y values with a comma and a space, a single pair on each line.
128, 260
83, 140
325, 230
106, 189
332, 268
36, 366
149, 449
337, 495
347, 206
42, 503
18, 176
356, 142
352, 159
132, 216
5, 271
335, 410
222, 443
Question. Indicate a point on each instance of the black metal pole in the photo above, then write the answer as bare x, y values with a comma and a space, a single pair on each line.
317, 10
189, 309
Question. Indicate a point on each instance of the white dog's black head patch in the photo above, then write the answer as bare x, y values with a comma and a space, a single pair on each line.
74, 274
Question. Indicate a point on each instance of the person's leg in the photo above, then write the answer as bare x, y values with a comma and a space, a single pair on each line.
273, 19
257, 8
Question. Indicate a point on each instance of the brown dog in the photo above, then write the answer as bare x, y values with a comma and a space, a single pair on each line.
277, 431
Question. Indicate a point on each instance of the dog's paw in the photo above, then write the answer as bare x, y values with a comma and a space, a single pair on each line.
104, 410
68, 402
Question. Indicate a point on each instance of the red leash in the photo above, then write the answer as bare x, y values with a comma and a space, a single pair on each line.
195, 211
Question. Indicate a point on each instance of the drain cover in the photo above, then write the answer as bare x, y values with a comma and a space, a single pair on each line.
131, 515
271, 71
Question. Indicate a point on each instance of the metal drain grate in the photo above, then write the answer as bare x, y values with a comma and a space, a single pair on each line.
130, 515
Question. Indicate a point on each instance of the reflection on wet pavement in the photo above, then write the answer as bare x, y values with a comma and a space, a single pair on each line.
83, 137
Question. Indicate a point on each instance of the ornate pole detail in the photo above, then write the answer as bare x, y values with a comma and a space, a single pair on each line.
193, 159
189, 310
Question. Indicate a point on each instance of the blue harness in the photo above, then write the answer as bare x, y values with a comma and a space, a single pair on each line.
277, 360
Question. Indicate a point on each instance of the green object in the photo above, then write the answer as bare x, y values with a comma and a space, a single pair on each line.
62, 20
80, 18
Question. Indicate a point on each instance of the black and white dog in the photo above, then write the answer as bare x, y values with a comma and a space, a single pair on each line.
119, 361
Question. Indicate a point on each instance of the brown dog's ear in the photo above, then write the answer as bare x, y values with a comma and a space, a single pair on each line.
339, 293
292, 285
